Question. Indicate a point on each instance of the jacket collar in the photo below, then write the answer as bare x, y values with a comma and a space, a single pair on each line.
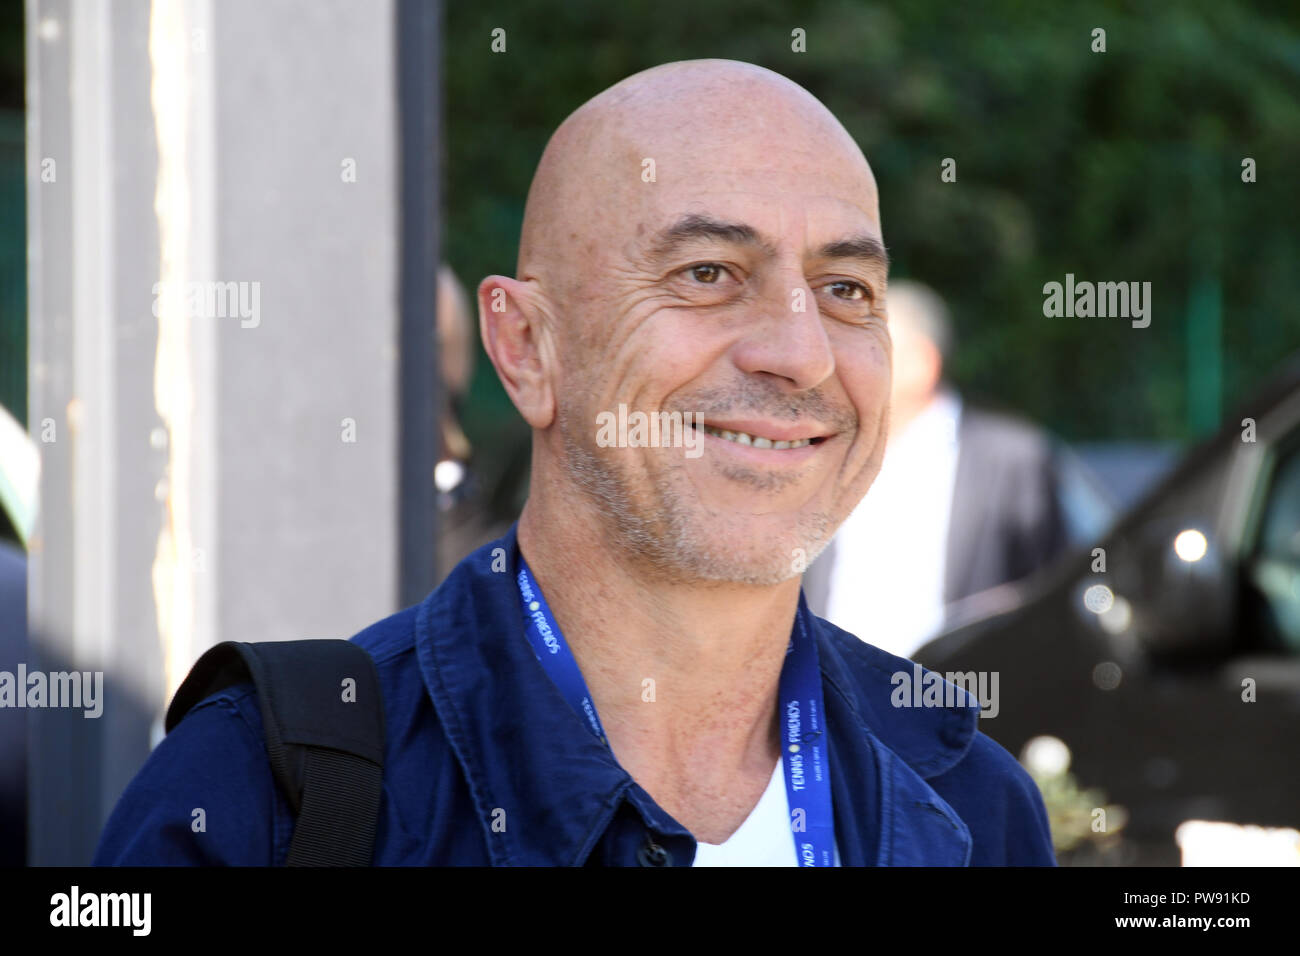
546, 790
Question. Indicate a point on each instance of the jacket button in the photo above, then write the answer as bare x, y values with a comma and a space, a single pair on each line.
652, 854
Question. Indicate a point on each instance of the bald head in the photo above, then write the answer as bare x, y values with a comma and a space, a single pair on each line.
716, 124
700, 240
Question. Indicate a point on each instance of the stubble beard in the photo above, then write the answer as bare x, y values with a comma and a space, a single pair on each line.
657, 525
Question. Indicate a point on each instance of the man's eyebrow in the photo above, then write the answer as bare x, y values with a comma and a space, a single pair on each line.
696, 226
863, 246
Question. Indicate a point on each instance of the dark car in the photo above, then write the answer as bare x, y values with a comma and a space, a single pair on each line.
1168, 658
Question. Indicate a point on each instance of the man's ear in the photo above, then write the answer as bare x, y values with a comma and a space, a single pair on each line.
519, 342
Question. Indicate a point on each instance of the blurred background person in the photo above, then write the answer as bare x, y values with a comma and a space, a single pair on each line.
463, 525
966, 500
472, 508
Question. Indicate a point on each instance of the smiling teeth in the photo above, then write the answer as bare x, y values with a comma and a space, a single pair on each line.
742, 438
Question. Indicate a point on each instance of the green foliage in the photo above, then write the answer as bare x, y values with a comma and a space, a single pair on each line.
1123, 165
1073, 814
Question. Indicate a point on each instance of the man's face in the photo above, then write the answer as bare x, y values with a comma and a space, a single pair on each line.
746, 287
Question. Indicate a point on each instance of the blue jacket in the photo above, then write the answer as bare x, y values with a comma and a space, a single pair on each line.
486, 764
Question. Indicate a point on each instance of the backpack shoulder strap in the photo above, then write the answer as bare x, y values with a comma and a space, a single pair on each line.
323, 715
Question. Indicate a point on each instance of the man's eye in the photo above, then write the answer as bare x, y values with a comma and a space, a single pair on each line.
854, 291
708, 272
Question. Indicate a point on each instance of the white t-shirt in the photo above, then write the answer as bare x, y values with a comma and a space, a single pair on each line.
764, 838
891, 553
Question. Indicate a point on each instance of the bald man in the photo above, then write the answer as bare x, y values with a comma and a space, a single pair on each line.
631, 676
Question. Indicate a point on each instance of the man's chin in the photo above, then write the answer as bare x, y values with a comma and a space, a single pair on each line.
763, 557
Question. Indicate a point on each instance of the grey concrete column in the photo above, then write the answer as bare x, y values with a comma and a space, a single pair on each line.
217, 315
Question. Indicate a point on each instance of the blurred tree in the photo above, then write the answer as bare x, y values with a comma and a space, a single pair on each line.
1118, 166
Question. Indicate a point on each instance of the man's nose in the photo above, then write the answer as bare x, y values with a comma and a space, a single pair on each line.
788, 338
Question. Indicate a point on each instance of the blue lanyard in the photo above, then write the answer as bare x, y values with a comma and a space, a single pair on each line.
803, 734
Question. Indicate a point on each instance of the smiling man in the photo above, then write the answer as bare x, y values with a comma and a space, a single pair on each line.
631, 676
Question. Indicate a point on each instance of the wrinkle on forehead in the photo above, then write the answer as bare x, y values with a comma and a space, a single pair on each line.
720, 121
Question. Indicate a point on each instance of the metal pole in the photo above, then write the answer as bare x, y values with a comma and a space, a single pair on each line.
418, 68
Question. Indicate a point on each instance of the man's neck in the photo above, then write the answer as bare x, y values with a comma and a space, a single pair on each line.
684, 677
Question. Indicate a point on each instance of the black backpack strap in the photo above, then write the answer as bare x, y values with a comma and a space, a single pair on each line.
324, 736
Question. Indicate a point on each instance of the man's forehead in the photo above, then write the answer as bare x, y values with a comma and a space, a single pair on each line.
755, 218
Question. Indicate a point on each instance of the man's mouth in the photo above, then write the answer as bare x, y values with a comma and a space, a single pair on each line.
757, 441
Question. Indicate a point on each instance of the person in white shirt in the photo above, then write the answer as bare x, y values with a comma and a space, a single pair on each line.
965, 499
